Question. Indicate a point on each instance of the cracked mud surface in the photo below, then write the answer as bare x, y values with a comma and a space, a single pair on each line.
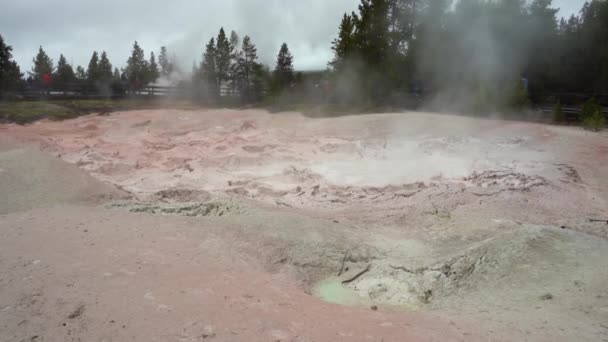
468, 229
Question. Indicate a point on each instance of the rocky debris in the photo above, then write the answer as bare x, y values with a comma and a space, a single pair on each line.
302, 175
570, 172
141, 124
158, 145
183, 195
500, 181
248, 125
546, 296
77, 312
348, 195
487, 264
186, 209
258, 149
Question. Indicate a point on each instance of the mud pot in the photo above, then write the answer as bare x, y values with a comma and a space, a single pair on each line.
458, 228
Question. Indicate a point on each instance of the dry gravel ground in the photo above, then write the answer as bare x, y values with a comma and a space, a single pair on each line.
222, 225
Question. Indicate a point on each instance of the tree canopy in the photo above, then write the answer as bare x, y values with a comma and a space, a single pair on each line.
208, 69
166, 65
283, 71
43, 65
137, 67
64, 74
473, 49
10, 74
248, 70
230, 67
344, 46
104, 68
81, 74
93, 74
223, 57
471, 54
152, 72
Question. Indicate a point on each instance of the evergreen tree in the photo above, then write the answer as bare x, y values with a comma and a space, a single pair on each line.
223, 58
93, 74
543, 35
234, 40
64, 75
116, 75
43, 65
152, 73
104, 69
261, 77
208, 68
403, 20
137, 67
284, 69
81, 75
166, 65
344, 46
10, 74
248, 70
593, 36
371, 33
373, 43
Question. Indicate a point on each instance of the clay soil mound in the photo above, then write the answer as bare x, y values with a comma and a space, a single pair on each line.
30, 179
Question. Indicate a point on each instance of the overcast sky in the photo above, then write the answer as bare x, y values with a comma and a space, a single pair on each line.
77, 27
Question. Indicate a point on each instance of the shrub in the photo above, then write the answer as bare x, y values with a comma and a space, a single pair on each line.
558, 113
483, 100
590, 107
595, 122
517, 97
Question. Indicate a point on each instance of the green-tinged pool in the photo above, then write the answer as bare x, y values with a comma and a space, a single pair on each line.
332, 291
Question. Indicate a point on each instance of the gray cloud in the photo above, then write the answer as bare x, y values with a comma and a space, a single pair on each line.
77, 27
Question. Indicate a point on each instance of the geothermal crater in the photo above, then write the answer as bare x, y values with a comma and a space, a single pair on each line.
397, 212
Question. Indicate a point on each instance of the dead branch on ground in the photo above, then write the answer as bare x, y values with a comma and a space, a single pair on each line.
343, 262
347, 281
